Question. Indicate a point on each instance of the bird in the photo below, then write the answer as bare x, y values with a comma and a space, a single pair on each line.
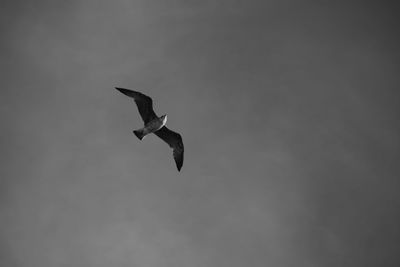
155, 124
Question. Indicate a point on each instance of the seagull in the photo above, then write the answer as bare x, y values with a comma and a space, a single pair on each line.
155, 124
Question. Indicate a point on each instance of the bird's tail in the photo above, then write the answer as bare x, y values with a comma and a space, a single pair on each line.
139, 133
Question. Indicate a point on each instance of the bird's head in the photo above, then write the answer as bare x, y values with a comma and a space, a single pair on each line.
164, 119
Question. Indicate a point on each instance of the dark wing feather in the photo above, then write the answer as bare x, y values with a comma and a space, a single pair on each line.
174, 140
143, 102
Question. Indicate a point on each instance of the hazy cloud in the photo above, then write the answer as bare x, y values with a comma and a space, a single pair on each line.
288, 111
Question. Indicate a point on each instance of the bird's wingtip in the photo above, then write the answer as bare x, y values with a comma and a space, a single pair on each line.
123, 90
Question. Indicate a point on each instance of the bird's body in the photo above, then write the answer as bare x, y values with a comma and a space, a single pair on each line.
151, 127
156, 125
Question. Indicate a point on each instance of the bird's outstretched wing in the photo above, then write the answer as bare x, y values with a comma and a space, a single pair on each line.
143, 102
174, 140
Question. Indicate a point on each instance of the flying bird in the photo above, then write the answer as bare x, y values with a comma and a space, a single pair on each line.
155, 124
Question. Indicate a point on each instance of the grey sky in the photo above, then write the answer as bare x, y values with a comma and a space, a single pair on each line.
288, 111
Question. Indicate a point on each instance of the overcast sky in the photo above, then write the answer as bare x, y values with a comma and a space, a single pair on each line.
288, 111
